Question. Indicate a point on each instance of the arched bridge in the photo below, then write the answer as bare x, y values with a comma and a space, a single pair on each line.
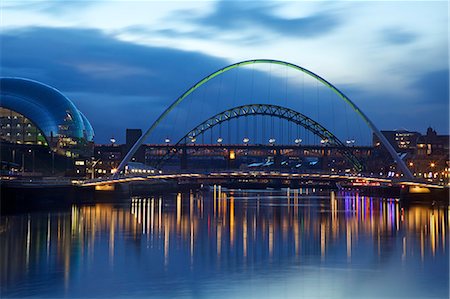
268, 110
400, 163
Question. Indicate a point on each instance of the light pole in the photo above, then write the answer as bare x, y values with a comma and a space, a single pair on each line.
53, 162
92, 169
432, 166
33, 160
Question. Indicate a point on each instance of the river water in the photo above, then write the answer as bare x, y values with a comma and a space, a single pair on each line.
229, 244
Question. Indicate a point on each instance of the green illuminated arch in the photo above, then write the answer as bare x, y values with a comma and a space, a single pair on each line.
341, 95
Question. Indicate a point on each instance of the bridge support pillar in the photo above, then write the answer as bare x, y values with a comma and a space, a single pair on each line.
183, 158
325, 159
277, 158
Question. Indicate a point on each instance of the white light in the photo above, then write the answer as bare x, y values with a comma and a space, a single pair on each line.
219, 140
167, 140
193, 139
245, 140
323, 141
272, 140
113, 140
298, 140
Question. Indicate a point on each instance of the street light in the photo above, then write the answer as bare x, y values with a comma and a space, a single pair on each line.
324, 141
167, 140
219, 140
298, 141
350, 142
246, 140
113, 141
272, 141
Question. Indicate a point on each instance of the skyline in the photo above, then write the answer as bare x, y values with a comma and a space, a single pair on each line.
95, 53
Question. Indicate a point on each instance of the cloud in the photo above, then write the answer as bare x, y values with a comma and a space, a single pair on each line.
55, 8
396, 36
433, 88
233, 16
119, 85
91, 61
116, 84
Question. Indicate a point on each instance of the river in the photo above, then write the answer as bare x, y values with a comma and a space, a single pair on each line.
285, 243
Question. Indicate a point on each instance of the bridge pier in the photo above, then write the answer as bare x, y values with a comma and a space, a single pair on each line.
183, 158
277, 158
325, 159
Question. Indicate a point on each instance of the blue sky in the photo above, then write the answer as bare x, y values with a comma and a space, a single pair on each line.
123, 62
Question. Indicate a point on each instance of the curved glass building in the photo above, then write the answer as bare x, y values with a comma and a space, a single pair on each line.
35, 113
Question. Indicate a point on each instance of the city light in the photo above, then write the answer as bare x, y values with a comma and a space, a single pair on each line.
167, 140
232, 155
246, 140
298, 140
219, 140
432, 164
272, 140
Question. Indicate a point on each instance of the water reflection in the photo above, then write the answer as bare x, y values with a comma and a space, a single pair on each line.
168, 245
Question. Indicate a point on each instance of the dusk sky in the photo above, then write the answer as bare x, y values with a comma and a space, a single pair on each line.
123, 62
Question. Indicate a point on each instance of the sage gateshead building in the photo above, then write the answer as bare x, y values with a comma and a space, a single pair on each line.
33, 113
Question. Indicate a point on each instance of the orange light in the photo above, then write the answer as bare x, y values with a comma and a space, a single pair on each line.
432, 164
114, 170
232, 155
411, 164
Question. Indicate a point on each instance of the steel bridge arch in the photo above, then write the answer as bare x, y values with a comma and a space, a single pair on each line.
401, 164
268, 110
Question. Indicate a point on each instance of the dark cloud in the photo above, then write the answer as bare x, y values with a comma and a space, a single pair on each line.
396, 36
427, 104
117, 84
234, 15
109, 79
433, 88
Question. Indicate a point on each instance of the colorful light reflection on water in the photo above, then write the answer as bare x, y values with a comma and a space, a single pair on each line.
229, 244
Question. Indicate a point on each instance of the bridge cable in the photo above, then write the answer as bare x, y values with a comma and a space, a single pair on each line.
346, 122
255, 125
317, 102
203, 104
303, 102
189, 108
270, 83
286, 75
219, 98
330, 97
